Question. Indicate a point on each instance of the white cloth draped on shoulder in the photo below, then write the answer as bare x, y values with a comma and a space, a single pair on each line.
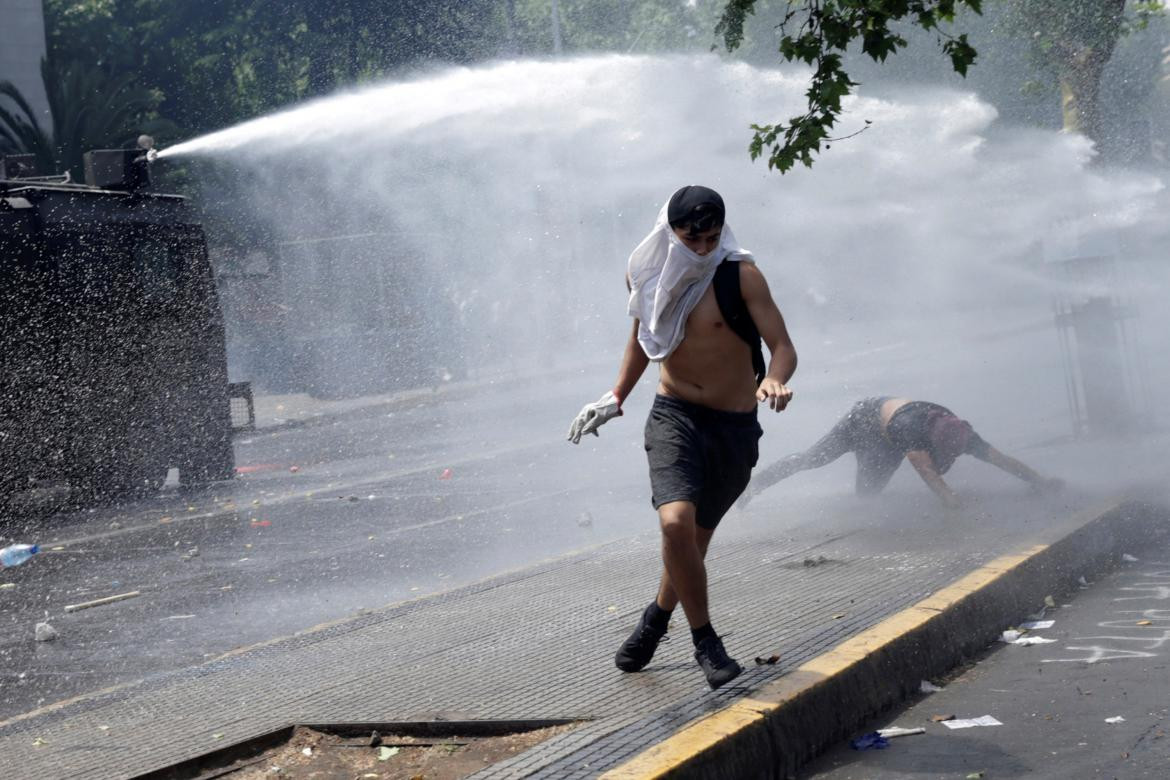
667, 280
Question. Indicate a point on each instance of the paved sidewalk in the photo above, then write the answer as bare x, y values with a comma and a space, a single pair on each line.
536, 644
1108, 659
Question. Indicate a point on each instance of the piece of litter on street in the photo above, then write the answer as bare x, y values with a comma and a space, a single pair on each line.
1025, 641
970, 723
769, 661
308, 751
38, 742
1145, 622
103, 728
1082, 581
897, 731
385, 753
100, 602
217, 736
941, 718
1049, 602
975, 776
446, 474
838, 617
178, 617
871, 741
1128, 558
7, 585
1037, 625
45, 633
926, 686
1115, 719
1009, 636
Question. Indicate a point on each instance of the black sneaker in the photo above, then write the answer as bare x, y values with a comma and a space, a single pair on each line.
639, 648
719, 667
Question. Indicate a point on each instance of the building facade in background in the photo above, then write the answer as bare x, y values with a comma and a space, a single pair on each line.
22, 46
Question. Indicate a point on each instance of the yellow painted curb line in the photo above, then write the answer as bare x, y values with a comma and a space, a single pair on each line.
710, 730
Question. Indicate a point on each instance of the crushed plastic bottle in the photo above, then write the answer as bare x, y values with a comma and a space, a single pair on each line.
16, 554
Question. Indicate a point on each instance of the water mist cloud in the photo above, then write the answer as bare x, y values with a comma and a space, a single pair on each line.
525, 184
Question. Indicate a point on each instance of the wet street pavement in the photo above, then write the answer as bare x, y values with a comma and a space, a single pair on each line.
400, 500
1089, 700
323, 521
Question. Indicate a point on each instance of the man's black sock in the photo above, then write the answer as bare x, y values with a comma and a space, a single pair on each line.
657, 617
701, 633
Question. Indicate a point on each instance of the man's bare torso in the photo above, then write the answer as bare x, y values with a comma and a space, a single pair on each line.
712, 366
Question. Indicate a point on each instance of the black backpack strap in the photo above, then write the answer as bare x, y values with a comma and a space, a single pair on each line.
735, 312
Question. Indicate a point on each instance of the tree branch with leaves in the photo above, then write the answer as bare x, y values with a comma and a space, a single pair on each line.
819, 33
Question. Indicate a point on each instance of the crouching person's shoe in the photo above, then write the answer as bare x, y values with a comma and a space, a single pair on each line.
719, 667
639, 647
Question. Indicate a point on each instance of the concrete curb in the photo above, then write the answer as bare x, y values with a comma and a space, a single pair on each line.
789, 721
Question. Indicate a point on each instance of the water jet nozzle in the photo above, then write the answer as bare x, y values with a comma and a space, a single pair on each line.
118, 169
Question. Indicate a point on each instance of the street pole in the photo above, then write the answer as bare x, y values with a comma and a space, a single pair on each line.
556, 27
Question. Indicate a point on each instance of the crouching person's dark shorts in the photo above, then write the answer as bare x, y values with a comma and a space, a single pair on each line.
700, 455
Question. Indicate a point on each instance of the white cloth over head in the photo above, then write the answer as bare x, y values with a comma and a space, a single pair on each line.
667, 280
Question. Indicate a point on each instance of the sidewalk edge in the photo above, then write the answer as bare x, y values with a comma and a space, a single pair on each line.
787, 722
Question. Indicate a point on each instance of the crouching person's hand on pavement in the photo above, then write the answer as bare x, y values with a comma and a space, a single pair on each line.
1048, 485
775, 392
594, 415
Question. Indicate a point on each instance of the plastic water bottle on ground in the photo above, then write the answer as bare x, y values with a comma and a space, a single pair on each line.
16, 554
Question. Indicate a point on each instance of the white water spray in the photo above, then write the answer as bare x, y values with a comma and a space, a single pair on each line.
523, 185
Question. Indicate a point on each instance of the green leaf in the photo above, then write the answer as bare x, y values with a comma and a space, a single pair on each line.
814, 32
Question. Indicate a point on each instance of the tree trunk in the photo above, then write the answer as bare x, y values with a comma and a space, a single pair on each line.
1080, 65
1080, 88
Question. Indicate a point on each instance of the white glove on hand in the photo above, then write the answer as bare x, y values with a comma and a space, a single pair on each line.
593, 416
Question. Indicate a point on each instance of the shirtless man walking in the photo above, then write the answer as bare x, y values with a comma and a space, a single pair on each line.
702, 436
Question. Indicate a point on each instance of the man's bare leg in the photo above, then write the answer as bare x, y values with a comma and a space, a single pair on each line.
667, 597
685, 580
683, 560
637, 651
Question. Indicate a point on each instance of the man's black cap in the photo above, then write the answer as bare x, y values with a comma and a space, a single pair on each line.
695, 207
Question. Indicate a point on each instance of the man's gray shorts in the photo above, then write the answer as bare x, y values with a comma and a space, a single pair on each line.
700, 455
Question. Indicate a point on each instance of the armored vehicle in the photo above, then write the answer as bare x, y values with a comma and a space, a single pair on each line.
111, 335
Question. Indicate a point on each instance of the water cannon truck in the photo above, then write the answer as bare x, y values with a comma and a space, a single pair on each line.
111, 335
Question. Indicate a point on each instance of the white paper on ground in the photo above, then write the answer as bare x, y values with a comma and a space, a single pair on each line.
1129, 558
1009, 636
967, 723
1024, 641
1115, 719
926, 686
1036, 625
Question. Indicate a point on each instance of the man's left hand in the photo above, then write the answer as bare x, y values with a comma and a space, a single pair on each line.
775, 392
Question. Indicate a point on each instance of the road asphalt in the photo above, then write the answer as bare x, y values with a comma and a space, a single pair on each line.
1089, 701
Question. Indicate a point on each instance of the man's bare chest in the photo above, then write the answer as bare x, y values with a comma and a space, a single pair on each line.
706, 320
